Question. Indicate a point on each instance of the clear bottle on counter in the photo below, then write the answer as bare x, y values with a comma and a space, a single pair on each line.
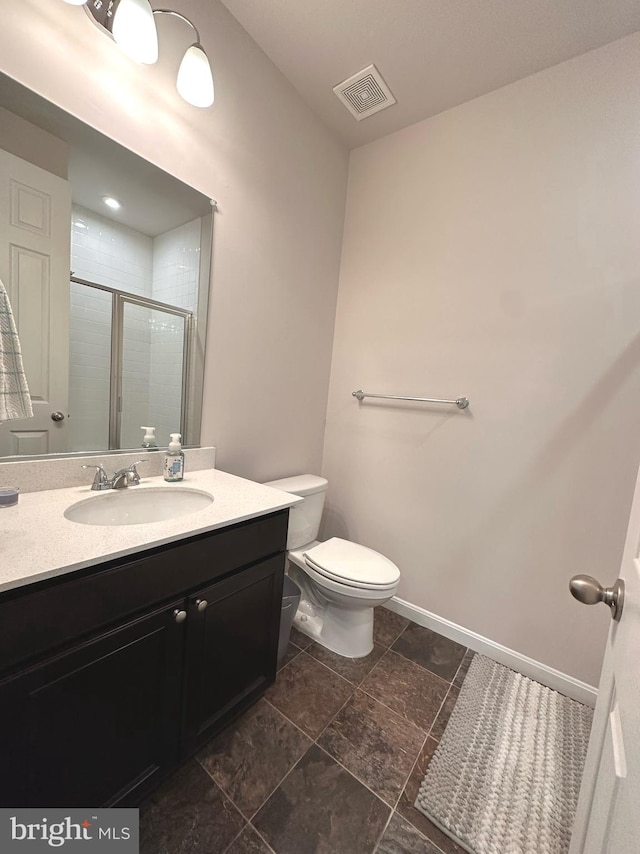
174, 460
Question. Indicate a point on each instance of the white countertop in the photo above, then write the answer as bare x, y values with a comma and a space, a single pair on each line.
37, 541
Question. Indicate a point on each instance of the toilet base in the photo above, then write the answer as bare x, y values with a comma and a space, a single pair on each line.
347, 632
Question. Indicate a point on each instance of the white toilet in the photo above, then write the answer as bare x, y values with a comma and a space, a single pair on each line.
341, 582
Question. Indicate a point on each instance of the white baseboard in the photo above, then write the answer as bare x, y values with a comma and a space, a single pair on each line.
567, 685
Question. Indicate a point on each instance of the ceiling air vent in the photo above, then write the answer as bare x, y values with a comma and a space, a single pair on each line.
365, 93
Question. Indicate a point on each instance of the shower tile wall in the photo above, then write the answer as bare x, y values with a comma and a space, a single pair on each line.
165, 269
176, 264
111, 254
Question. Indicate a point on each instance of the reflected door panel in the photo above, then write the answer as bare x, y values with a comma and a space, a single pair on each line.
35, 210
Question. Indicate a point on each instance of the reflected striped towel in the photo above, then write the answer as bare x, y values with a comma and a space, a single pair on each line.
14, 391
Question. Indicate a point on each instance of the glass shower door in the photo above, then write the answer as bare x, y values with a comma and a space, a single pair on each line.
152, 377
90, 334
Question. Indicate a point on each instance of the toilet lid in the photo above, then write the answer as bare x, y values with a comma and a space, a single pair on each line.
352, 564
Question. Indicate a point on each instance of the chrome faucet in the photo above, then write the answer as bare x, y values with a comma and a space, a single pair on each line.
122, 478
127, 476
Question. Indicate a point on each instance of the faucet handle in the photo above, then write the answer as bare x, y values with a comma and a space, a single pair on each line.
100, 480
135, 477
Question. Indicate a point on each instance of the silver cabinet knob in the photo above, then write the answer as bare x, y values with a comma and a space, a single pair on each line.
57, 416
179, 616
587, 590
201, 604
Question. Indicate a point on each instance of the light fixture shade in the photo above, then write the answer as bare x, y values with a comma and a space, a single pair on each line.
134, 30
195, 80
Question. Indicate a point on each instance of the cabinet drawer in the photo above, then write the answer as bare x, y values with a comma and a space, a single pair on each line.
47, 615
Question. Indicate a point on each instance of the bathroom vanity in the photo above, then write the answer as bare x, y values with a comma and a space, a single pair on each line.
111, 674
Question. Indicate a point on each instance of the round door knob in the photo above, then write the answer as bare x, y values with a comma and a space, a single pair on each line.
201, 604
179, 616
587, 590
57, 416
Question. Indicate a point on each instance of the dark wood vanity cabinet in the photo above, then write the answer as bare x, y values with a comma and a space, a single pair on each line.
173, 643
91, 725
231, 648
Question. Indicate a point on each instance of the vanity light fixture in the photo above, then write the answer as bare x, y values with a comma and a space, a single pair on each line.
132, 26
134, 30
195, 80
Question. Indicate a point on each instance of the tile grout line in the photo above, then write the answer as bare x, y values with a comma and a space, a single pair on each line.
402, 630
280, 669
232, 802
324, 665
293, 767
384, 830
353, 659
455, 676
235, 805
306, 735
355, 777
428, 735
257, 832
293, 723
329, 722
242, 830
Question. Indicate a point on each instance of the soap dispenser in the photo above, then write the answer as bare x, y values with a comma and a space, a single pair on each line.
174, 459
149, 440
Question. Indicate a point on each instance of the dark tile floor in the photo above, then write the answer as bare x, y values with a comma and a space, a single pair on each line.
328, 762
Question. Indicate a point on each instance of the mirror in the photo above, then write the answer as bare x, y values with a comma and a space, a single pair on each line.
106, 260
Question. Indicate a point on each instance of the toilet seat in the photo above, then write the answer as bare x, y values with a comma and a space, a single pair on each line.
353, 565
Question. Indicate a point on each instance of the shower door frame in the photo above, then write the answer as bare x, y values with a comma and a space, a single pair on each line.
119, 299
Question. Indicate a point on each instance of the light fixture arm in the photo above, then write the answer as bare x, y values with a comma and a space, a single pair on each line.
182, 18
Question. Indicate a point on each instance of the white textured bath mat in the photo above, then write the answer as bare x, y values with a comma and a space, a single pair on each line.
506, 775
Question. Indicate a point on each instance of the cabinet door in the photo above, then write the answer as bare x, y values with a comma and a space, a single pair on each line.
98, 724
232, 647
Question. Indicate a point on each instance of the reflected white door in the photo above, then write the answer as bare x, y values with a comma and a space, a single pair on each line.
35, 226
608, 815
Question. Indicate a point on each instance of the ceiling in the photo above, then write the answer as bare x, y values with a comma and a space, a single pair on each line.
433, 54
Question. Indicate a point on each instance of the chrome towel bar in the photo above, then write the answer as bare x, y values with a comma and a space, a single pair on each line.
460, 402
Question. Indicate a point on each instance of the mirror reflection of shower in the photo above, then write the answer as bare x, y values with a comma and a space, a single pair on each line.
133, 300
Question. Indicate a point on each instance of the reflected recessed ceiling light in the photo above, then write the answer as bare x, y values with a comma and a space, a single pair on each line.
112, 203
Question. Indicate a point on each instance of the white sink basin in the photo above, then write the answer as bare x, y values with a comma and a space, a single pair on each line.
133, 506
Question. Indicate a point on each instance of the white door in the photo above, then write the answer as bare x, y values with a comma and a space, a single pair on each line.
608, 814
35, 229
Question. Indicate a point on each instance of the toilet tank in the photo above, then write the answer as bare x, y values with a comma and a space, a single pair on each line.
304, 517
